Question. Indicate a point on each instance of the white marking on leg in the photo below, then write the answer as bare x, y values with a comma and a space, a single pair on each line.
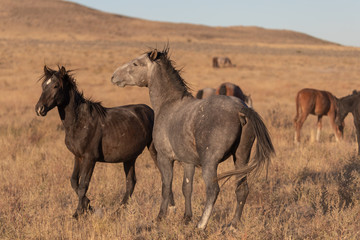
205, 217
187, 180
48, 81
318, 134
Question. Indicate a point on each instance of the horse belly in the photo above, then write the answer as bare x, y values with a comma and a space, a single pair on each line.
120, 146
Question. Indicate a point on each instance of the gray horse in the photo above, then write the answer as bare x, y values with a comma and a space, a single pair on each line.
196, 132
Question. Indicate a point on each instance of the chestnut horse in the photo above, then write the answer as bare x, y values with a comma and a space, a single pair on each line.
319, 103
230, 89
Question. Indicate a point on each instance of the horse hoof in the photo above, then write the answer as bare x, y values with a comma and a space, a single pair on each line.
76, 215
187, 220
90, 209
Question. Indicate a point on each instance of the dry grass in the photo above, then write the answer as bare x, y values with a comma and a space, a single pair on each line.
312, 191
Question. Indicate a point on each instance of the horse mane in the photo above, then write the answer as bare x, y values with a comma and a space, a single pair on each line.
170, 68
69, 80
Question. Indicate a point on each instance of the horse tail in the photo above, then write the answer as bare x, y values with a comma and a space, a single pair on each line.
200, 94
264, 146
222, 90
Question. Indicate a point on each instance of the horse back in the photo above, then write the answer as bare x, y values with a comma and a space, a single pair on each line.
230, 89
313, 101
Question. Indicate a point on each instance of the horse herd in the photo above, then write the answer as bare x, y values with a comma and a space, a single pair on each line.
198, 132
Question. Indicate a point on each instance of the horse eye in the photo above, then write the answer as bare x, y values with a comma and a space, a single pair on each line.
135, 64
56, 86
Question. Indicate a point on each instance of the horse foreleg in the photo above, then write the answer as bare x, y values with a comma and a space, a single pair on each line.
338, 134
86, 170
75, 175
129, 169
153, 154
166, 169
318, 130
357, 129
187, 188
212, 191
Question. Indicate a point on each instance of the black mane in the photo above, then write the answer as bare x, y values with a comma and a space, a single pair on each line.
68, 82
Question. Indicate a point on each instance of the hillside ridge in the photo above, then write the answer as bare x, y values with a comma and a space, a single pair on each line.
63, 20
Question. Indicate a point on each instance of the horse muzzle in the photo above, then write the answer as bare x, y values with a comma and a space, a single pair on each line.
40, 110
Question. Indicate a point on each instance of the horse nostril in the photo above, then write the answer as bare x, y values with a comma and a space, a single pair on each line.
40, 110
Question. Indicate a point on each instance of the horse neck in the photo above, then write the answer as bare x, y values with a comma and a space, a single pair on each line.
68, 110
348, 103
165, 87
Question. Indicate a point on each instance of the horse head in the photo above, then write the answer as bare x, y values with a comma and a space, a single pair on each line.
53, 87
136, 72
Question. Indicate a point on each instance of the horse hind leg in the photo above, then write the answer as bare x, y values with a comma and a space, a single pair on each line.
209, 173
241, 159
319, 127
187, 188
129, 169
298, 125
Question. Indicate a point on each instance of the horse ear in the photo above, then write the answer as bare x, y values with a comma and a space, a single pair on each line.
153, 55
47, 71
355, 92
62, 71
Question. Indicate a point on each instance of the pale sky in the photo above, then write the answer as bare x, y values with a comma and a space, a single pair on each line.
332, 20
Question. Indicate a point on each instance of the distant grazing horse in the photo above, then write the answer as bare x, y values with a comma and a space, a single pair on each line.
230, 89
220, 62
351, 104
94, 133
205, 93
196, 132
319, 103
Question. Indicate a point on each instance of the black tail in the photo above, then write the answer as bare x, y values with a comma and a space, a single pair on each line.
264, 146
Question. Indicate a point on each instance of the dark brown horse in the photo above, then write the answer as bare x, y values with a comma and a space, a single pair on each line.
319, 103
196, 132
221, 62
94, 133
230, 89
205, 93
351, 104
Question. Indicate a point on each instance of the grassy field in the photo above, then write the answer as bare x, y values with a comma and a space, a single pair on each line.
312, 190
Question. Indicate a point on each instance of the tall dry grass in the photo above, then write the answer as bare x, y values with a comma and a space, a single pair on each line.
312, 191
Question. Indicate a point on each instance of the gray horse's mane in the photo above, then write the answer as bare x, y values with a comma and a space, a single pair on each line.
169, 64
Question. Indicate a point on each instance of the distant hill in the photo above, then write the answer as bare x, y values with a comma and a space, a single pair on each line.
61, 20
